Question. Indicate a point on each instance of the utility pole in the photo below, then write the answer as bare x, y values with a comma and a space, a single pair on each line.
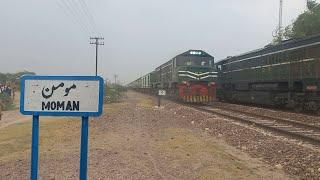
280, 20
115, 79
97, 43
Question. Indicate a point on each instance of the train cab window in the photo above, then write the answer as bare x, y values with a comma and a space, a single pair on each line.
219, 67
203, 63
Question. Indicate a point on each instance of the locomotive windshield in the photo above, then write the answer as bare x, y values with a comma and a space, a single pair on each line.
195, 61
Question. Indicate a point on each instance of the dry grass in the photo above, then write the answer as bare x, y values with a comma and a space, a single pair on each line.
113, 108
15, 139
147, 102
57, 135
210, 160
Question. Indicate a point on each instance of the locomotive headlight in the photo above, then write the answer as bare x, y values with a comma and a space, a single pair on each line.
195, 52
186, 83
312, 88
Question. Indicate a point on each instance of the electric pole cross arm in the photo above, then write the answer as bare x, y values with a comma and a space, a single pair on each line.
97, 43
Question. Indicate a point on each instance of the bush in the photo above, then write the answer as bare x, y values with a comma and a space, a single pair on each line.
113, 93
6, 102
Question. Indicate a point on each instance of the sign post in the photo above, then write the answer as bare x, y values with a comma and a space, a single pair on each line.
84, 148
161, 92
35, 147
61, 96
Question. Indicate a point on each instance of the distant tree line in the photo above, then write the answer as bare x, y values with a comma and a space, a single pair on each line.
11, 80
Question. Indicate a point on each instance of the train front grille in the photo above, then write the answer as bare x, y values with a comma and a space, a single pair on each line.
197, 99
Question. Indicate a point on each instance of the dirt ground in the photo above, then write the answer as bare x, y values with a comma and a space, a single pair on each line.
131, 140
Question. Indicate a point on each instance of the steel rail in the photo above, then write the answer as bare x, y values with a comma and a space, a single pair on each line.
284, 120
267, 126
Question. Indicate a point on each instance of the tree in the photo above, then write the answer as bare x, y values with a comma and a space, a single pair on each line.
307, 23
13, 79
311, 4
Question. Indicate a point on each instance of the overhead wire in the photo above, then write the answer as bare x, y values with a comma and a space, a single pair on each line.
73, 19
74, 8
81, 14
71, 11
89, 14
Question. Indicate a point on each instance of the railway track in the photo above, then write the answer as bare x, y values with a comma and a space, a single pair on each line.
298, 130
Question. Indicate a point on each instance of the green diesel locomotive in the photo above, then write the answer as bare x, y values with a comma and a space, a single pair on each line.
189, 77
283, 74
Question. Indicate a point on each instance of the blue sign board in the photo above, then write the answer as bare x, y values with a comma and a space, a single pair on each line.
61, 96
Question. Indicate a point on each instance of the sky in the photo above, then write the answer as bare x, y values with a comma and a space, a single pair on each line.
52, 37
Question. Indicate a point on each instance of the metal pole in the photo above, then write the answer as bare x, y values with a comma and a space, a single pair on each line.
35, 148
96, 57
84, 148
280, 20
159, 100
96, 42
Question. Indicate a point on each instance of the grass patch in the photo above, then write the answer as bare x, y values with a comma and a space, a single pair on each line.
54, 133
113, 108
146, 102
183, 147
15, 138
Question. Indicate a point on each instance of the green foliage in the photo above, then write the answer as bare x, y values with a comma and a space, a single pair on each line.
13, 78
5, 102
311, 4
113, 93
307, 24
